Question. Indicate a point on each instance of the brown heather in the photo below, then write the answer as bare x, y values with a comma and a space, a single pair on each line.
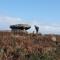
24, 46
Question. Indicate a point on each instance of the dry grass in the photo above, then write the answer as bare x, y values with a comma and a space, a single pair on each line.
22, 45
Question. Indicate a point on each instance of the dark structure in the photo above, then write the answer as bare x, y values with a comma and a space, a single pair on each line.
36, 28
20, 27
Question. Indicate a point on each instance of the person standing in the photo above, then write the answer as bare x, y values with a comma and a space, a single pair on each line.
37, 29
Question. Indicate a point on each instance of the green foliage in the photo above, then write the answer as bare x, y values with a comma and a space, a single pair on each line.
44, 56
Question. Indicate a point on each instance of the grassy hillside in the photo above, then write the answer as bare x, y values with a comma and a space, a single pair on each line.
24, 46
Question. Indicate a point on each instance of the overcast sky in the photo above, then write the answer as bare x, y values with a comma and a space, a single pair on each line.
44, 13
